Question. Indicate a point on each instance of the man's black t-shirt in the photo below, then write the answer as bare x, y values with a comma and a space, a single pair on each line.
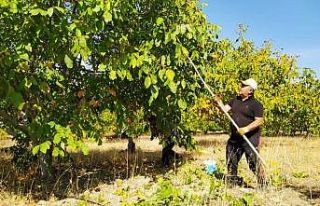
243, 113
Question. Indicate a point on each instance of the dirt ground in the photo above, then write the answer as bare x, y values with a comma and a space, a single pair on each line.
293, 172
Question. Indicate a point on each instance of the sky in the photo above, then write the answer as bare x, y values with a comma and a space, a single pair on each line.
293, 26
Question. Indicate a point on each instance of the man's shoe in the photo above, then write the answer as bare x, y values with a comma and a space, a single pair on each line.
234, 180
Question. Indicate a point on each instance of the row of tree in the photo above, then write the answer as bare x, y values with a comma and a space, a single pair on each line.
69, 68
290, 95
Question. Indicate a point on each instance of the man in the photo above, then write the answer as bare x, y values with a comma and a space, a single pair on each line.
247, 113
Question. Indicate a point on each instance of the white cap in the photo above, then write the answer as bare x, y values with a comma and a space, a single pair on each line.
250, 82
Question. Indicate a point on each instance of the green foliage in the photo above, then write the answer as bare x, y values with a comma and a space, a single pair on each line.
60, 74
289, 96
191, 185
276, 177
167, 193
109, 122
203, 116
300, 175
248, 199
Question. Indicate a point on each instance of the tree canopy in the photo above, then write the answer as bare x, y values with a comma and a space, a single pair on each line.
64, 62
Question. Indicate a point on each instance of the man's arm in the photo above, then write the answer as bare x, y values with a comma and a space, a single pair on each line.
253, 125
226, 107
223, 107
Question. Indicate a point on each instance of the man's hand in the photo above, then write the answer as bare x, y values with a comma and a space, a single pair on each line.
243, 130
222, 107
217, 98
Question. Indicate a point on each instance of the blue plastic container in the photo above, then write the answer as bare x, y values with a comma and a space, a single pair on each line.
211, 166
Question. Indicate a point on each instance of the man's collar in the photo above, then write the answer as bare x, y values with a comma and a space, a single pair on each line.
246, 98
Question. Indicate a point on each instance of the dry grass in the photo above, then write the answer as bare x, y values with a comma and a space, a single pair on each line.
292, 167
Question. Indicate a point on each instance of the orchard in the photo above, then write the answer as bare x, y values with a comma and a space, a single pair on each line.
74, 71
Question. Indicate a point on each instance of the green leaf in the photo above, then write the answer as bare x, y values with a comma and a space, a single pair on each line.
28, 47
72, 26
167, 38
102, 67
150, 100
183, 28
107, 16
13, 6
43, 12
113, 75
24, 56
57, 138
35, 12
183, 84
122, 74
17, 100
82, 42
172, 87
154, 92
133, 61
161, 74
55, 152
182, 104
147, 82
170, 74
185, 51
72, 145
61, 153
35, 149
44, 147
154, 79
85, 149
51, 124
163, 60
50, 11
157, 43
59, 84
62, 10
68, 61
26, 83
178, 51
96, 9
168, 60
160, 20
37, 107
129, 76
78, 33
89, 11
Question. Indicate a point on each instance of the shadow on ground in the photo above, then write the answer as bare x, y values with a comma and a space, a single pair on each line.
79, 173
309, 193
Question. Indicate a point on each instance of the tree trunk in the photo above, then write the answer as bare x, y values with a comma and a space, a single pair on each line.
131, 145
